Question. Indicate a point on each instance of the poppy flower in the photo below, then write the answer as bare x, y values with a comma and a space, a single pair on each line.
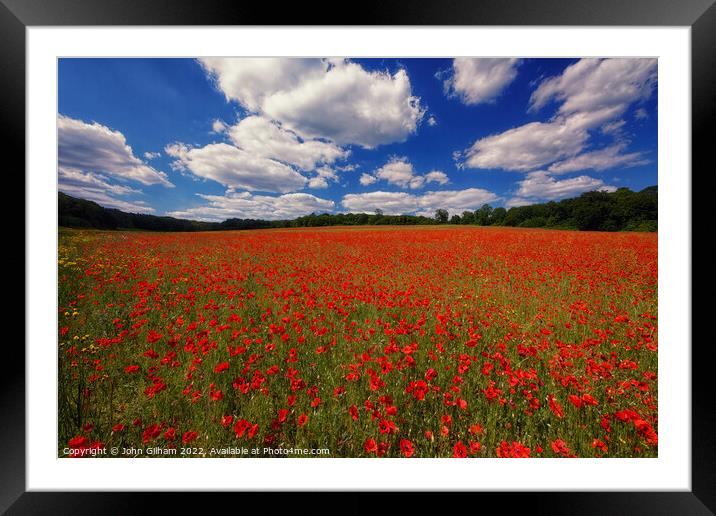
188, 437
370, 446
406, 448
78, 442
221, 366
459, 450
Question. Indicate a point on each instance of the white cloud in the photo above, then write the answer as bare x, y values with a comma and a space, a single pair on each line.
263, 138
602, 159
245, 205
515, 202
327, 172
399, 171
322, 98
455, 201
437, 176
594, 84
432, 121
95, 148
543, 186
416, 182
390, 202
250, 81
218, 126
97, 188
318, 182
367, 179
480, 80
152, 155
535, 144
236, 168
614, 128
592, 93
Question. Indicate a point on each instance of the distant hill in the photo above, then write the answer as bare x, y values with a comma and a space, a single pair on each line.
622, 210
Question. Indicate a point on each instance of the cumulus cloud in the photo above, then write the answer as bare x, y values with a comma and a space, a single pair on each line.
327, 173
152, 155
479, 80
95, 148
318, 182
245, 205
541, 185
367, 179
98, 188
594, 84
262, 138
399, 171
591, 93
455, 201
334, 99
602, 159
250, 81
390, 202
535, 144
236, 168
324, 176
432, 121
437, 176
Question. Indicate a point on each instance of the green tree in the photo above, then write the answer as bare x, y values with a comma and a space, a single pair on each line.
468, 217
482, 216
498, 216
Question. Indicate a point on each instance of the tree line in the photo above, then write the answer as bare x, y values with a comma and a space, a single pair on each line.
622, 210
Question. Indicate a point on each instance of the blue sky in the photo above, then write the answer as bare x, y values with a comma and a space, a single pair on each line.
217, 138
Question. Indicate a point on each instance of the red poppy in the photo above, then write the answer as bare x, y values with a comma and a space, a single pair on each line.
459, 450
78, 442
406, 448
221, 366
555, 407
189, 437
370, 446
153, 336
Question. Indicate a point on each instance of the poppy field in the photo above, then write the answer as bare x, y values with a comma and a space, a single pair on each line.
358, 342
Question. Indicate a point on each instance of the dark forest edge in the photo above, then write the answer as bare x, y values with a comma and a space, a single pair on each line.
622, 210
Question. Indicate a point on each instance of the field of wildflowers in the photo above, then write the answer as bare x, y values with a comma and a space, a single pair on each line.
366, 342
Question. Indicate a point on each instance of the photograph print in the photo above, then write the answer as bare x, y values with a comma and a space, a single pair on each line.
357, 258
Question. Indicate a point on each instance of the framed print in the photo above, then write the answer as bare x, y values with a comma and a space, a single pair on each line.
399, 254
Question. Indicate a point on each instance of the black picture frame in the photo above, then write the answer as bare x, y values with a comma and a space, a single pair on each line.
700, 15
